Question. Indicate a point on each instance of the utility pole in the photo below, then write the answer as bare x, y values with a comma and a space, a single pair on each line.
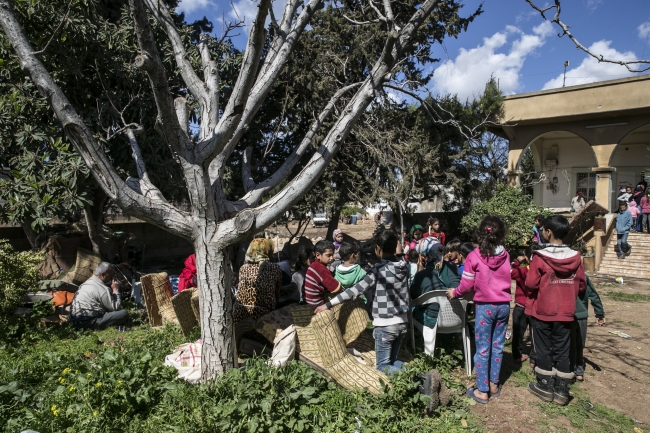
565, 66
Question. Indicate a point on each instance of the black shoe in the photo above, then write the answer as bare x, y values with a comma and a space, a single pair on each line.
544, 387
562, 384
628, 252
430, 385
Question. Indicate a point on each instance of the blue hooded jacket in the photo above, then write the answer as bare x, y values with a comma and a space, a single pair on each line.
623, 222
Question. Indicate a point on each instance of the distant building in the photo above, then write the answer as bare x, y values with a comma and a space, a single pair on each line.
592, 138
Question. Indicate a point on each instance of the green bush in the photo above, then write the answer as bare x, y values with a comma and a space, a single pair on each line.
347, 211
18, 275
104, 381
515, 208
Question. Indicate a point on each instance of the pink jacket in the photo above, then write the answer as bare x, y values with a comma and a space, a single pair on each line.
488, 277
633, 209
645, 204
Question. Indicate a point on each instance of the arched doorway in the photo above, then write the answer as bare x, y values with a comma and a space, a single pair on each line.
631, 158
562, 161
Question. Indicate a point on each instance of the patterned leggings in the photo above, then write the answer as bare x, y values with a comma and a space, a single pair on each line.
490, 329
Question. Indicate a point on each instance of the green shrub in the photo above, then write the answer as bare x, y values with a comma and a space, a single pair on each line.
104, 381
18, 275
515, 208
347, 211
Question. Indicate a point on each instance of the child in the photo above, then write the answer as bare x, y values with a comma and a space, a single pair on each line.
537, 230
337, 236
305, 258
623, 224
463, 251
636, 197
579, 327
390, 305
626, 193
318, 279
449, 273
634, 211
555, 278
414, 264
434, 230
416, 235
645, 211
520, 320
487, 273
349, 273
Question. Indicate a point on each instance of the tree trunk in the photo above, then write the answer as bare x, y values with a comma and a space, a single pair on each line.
215, 301
33, 237
336, 215
93, 234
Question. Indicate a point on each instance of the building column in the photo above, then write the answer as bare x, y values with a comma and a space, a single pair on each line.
604, 186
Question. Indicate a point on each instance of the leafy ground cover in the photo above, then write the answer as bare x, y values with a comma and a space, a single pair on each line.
60, 380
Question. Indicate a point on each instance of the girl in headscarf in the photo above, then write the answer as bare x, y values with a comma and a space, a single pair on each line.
259, 282
337, 236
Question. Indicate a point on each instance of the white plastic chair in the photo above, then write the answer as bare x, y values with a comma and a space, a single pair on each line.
451, 319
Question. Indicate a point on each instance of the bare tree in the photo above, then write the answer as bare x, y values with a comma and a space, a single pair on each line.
215, 223
632, 65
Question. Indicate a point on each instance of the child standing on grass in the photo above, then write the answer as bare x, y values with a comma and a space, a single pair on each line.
390, 305
487, 273
579, 327
555, 278
520, 320
349, 273
318, 279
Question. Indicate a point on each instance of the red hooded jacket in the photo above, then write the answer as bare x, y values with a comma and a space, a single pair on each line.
518, 273
555, 278
185, 279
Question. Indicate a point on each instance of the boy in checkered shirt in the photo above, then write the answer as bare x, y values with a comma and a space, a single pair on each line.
390, 305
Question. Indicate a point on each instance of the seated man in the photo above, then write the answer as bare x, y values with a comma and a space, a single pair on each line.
96, 304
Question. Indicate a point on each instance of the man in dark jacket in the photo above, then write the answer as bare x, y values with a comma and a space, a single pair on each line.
623, 224
579, 327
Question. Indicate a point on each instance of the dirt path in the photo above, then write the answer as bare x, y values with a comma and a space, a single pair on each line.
617, 375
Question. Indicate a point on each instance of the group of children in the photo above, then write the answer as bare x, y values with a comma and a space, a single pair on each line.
551, 296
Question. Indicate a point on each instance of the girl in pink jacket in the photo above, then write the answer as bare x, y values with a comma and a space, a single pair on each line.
634, 211
487, 274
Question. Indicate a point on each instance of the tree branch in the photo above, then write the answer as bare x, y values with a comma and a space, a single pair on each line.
565, 31
196, 86
210, 109
246, 172
163, 215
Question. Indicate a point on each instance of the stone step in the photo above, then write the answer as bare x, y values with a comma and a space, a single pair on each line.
635, 253
618, 272
626, 263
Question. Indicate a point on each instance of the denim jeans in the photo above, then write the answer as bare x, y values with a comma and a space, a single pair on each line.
644, 221
621, 241
387, 342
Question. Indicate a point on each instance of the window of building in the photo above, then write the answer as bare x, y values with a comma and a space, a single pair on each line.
587, 185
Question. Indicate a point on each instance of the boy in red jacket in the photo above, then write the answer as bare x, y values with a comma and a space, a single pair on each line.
520, 320
555, 279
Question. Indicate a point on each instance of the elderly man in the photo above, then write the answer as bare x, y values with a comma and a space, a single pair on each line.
97, 302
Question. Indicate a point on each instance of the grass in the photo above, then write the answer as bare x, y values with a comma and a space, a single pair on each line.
628, 297
585, 415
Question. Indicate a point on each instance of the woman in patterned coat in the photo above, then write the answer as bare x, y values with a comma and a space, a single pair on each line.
259, 282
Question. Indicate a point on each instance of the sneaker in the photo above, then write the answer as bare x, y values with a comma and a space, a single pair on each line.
629, 251
508, 335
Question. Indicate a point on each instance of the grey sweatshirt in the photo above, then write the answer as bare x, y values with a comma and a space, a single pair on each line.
94, 299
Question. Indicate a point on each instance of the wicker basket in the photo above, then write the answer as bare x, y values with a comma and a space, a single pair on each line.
84, 267
182, 304
195, 305
159, 285
155, 319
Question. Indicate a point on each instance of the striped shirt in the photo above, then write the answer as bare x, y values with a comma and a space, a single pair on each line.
318, 280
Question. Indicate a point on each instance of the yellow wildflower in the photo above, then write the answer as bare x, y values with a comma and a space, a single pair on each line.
72, 389
95, 413
119, 383
85, 394
54, 411
61, 380
98, 384
76, 372
88, 375
66, 371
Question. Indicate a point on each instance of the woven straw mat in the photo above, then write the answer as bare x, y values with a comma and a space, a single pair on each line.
84, 267
163, 291
155, 319
352, 319
272, 324
339, 364
182, 303
195, 305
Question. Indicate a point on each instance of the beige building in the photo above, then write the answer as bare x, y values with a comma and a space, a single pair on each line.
593, 138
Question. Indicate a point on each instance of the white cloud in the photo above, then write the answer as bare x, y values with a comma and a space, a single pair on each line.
590, 70
189, 6
247, 10
467, 74
644, 30
592, 5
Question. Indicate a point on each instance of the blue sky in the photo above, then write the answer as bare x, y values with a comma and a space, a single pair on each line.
511, 42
